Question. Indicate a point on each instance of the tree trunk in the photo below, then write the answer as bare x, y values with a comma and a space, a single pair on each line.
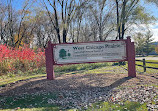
118, 21
123, 19
57, 24
64, 35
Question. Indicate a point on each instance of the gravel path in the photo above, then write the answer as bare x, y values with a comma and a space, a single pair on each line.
81, 90
147, 58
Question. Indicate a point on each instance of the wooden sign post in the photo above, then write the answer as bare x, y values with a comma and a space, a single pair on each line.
131, 58
90, 52
49, 62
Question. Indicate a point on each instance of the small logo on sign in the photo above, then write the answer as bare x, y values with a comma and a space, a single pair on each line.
63, 54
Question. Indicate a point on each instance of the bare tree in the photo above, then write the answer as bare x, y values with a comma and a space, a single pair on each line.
100, 15
130, 12
66, 10
153, 1
2, 23
43, 30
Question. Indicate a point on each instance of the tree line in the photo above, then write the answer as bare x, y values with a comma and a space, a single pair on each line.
62, 21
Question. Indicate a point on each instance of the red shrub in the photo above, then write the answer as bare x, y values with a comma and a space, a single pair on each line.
23, 58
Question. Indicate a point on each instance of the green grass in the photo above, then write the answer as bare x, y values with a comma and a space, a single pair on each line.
103, 70
140, 69
78, 67
152, 56
70, 69
39, 102
148, 70
125, 106
40, 72
34, 102
4, 80
12, 78
149, 64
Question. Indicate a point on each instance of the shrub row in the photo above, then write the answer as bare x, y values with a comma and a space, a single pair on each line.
24, 58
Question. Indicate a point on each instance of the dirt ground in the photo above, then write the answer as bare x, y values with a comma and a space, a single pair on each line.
77, 82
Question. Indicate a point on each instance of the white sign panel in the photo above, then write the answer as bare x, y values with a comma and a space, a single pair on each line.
89, 52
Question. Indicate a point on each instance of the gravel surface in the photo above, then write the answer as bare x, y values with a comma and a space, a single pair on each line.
81, 90
141, 94
75, 99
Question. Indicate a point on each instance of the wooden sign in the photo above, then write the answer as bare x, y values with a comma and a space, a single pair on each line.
91, 52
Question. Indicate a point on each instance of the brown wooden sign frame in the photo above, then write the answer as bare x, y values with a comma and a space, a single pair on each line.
130, 57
